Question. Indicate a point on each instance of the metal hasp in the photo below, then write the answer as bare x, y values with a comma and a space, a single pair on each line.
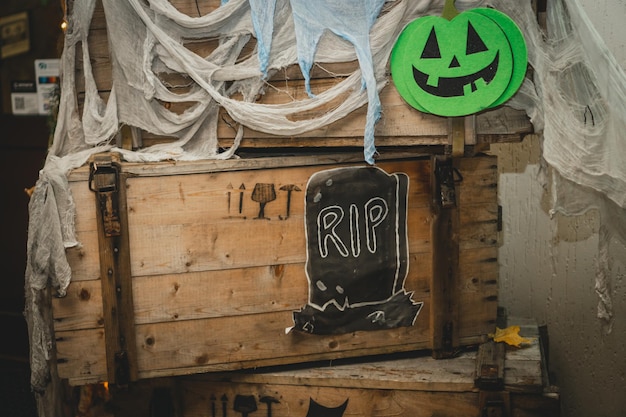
489, 379
109, 185
445, 235
446, 177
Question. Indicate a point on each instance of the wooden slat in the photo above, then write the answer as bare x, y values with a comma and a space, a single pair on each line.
81, 308
194, 346
191, 223
168, 345
294, 400
84, 259
203, 245
418, 373
268, 161
81, 355
478, 291
238, 292
478, 238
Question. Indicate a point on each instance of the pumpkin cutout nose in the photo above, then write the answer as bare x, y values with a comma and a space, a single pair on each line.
454, 63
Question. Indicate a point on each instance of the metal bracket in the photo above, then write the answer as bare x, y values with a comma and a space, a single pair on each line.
109, 185
104, 181
446, 176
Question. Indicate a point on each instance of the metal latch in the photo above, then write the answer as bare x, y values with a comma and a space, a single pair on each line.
446, 176
104, 181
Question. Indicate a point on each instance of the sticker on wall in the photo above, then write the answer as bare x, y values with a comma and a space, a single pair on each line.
459, 63
357, 252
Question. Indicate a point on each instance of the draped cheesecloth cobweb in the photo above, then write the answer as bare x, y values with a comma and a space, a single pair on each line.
576, 98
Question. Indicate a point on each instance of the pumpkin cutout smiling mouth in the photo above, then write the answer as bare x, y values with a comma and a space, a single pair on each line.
456, 86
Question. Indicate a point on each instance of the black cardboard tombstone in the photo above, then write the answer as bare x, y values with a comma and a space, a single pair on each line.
357, 252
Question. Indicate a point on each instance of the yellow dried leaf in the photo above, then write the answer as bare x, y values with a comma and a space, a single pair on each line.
510, 336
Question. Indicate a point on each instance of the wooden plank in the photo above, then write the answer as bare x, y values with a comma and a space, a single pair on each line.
408, 372
193, 346
204, 245
166, 346
478, 237
81, 355
478, 226
84, 258
180, 297
193, 222
229, 197
239, 292
294, 400
81, 308
321, 160
478, 291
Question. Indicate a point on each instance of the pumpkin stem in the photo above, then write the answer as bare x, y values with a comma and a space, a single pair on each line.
449, 10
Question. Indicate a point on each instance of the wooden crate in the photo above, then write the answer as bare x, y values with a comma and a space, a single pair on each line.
195, 282
407, 386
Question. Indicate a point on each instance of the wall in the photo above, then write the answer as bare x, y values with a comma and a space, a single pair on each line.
45, 17
548, 267
23, 145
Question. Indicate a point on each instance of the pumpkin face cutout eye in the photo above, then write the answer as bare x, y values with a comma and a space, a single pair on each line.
431, 49
460, 66
474, 43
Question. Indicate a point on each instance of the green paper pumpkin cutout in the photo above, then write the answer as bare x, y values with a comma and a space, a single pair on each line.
460, 66
400, 64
